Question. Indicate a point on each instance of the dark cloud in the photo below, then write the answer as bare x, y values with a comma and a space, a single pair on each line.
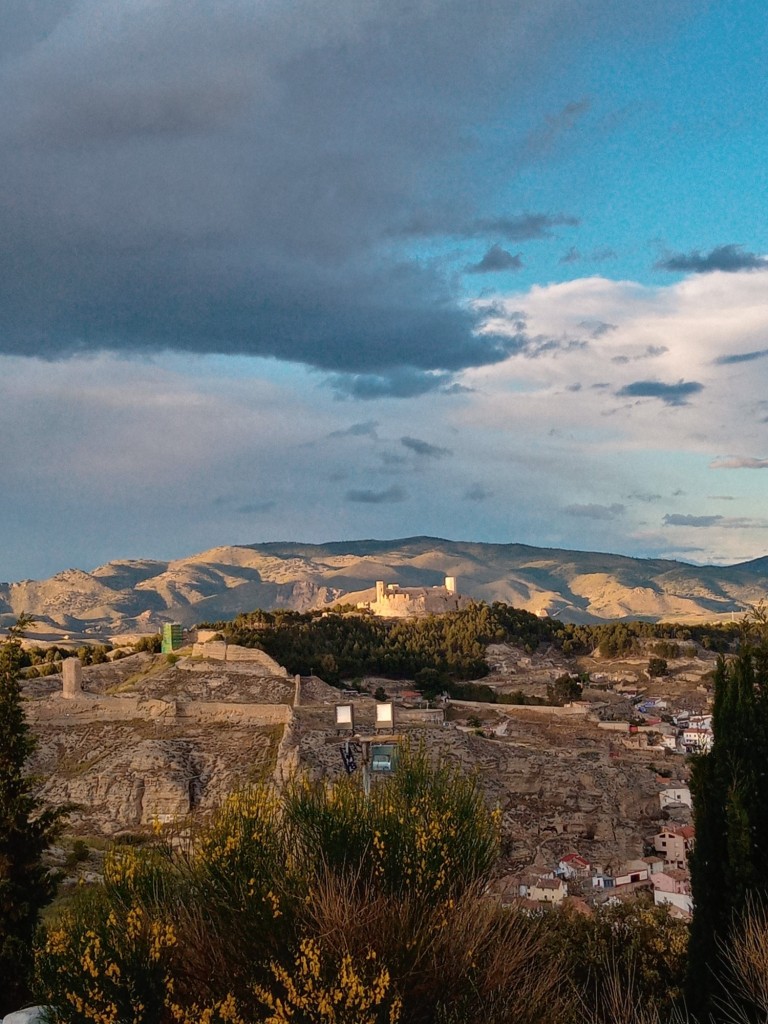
741, 357
643, 496
670, 394
231, 181
600, 512
573, 255
597, 328
523, 228
728, 258
477, 493
256, 508
392, 458
367, 429
699, 521
370, 497
402, 382
541, 142
495, 260
423, 448
739, 462
650, 352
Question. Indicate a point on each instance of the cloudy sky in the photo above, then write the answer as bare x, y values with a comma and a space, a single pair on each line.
292, 270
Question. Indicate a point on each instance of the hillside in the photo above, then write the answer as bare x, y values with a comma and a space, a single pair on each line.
575, 586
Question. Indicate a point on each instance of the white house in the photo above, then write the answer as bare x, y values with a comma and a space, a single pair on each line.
697, 740
673, 887
675, 796
574, 866
632, 871
548, 890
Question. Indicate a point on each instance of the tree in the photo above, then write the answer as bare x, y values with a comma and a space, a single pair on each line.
730, 801
657, 667
27, 828
565, 689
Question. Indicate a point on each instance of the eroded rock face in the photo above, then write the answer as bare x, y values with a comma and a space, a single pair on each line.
146, 741
125, 775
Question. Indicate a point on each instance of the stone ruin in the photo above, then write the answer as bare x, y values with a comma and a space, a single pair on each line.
71, 678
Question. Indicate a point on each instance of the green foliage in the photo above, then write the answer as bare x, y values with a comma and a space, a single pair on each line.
426, 831
218, 925
77, 854
439, 649
151, 644
666, 649
107, 962
637, 944
617, 639
565, 689
730, 801
27, 828
657, 667
340, 646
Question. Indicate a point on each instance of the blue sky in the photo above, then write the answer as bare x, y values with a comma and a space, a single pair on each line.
320, 272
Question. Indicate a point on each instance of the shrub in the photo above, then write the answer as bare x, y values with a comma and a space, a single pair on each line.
426, 831
77, 854
107, 962
657, 667
213, 931
312, 992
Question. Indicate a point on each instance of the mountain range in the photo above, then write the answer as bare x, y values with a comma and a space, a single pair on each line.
576, 586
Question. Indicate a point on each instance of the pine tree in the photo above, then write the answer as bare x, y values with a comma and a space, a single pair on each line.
27, 828
730, 803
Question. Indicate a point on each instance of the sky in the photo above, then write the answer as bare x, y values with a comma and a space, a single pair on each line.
288, 270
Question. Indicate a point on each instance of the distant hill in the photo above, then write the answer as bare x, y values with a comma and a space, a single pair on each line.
576, 586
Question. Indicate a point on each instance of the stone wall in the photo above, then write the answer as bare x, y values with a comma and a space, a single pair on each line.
540, 710
224, 711
220, 650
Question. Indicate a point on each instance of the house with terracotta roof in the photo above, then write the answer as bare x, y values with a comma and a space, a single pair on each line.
572, 865
674, 843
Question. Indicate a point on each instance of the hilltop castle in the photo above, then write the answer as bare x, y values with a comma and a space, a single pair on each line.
394, 601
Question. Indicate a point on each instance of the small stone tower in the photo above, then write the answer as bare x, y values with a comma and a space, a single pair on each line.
71, 678
450, 584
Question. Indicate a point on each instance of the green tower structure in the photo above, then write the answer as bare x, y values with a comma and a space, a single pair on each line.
173, 637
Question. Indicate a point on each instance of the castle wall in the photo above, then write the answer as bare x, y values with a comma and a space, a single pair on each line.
220, 650
402, 603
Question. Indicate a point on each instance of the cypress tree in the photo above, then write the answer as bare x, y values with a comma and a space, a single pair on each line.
730, 804
27, 828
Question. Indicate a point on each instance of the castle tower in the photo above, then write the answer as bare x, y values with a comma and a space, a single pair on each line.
379, 591
71, 678
450, 584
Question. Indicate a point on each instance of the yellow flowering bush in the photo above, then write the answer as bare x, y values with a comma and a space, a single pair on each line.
209, 932
105, 964
315, 992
